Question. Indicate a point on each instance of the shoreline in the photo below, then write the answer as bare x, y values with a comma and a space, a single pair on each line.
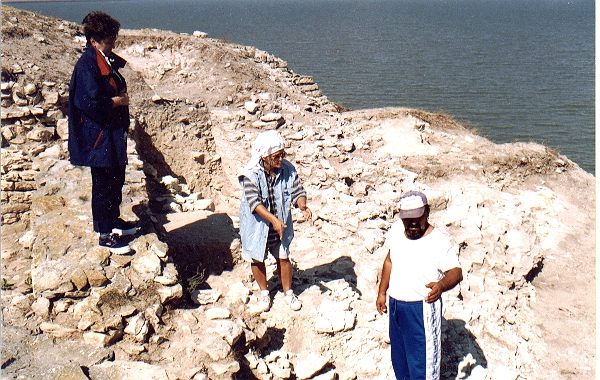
495, 125
37, 1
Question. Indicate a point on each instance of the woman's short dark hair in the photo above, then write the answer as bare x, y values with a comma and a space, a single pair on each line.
100, 26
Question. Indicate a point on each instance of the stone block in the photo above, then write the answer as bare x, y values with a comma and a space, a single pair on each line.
218, 313
25, 186
216, 347
307, 364
96, 339
96, 277
56, 330
130, 370
170, 293
41, 134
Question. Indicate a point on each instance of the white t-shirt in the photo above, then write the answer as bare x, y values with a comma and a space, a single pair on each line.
416, 263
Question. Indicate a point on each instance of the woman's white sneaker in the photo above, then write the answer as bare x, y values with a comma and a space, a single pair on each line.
292, 300
264, 300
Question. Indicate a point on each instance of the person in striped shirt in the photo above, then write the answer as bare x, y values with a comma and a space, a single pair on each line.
270, 187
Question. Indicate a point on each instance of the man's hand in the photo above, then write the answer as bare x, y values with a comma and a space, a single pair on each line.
384, 284
435, 293
381, 305
449, 281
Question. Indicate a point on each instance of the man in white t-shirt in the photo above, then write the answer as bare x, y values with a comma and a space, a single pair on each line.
421, 264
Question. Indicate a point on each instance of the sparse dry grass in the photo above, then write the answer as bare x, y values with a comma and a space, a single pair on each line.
340, 108
438, 120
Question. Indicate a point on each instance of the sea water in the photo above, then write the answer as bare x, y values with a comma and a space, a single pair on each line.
515, 70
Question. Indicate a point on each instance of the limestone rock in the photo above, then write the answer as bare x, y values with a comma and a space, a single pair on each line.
69, 372
251, 107
217, 313
228, 330
147, 264
96, 339
56, 330
205, 297
96, 277
224, 368
41, 307
62, 129
216, 347
307, 364
130, 370
170, 293
334, 317
79, 278
238, 292
27, 240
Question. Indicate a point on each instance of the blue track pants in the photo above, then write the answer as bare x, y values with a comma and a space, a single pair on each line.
415, 337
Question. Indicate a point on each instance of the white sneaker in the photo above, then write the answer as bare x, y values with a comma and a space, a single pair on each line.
264, 300
292, 300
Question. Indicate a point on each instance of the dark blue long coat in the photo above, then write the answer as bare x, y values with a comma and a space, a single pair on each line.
97, 131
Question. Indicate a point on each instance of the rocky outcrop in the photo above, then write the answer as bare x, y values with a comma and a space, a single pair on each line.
182, 305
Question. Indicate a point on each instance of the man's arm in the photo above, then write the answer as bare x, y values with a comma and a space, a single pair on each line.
384, 284
450, 280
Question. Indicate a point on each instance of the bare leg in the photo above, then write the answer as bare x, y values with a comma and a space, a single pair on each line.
259, 271
284, 268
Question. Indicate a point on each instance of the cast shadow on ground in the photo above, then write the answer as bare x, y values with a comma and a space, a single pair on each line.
341, 268
155, 167
460, 351
271, 341
199, 244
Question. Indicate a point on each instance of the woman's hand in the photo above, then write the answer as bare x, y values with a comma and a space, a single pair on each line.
304, 208
307, 213
278, 226
121, 100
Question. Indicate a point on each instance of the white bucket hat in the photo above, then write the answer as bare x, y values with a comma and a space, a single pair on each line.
266, 143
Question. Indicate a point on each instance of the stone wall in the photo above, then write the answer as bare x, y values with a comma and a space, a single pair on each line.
32, 119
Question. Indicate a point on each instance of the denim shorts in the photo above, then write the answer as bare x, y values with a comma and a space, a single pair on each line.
278, 251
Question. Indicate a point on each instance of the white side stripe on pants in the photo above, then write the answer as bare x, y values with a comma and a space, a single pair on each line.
432, 318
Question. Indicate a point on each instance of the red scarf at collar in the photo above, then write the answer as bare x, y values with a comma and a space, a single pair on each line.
105, 68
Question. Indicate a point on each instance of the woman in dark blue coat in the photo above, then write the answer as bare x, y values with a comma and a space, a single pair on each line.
98, 124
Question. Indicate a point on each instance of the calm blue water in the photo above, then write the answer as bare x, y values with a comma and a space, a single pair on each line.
517, 70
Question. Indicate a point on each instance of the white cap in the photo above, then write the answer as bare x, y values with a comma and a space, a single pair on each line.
412, 205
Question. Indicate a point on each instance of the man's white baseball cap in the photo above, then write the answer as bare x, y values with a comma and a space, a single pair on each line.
412, 205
